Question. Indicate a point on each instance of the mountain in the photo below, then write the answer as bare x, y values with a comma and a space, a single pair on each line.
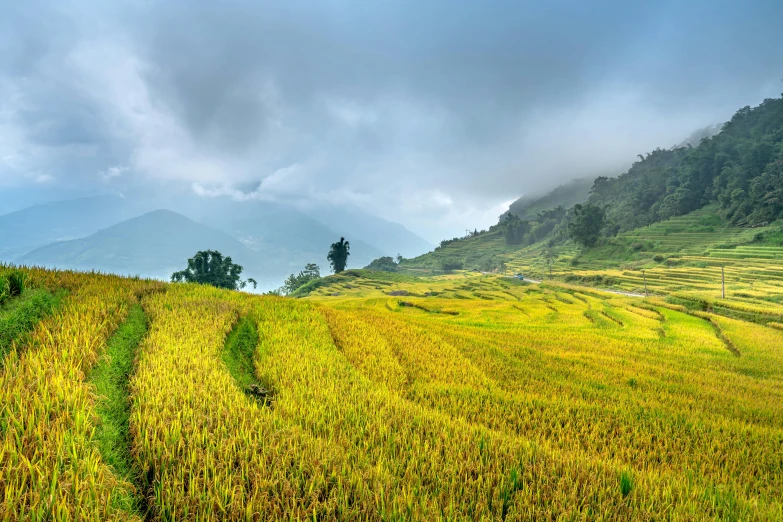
280, 231
567, 195
388, 237
39, 225
155, 245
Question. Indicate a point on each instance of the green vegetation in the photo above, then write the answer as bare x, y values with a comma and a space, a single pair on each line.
20, 315
209, 267
294, 282
384, 264
740, 169
338, 255
586, 224
239, 352
566, 196
110, 378
11, 285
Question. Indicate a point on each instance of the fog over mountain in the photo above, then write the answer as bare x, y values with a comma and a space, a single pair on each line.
431, 114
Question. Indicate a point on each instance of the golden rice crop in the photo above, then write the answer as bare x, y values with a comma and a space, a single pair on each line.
49, 467
463, 397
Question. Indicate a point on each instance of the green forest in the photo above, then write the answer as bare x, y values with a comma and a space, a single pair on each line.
740, 169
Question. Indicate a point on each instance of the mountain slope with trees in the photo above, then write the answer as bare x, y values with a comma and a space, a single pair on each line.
740, 168
737, 173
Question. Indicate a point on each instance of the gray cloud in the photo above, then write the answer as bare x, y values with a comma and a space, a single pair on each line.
430, 113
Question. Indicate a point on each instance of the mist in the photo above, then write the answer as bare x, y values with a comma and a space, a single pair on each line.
435, 115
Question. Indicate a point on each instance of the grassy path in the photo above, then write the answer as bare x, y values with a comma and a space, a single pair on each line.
238, 355
110, 377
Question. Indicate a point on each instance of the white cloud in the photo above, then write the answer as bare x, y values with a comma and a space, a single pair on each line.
112, 172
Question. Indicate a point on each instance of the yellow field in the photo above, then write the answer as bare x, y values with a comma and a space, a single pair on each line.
461, 397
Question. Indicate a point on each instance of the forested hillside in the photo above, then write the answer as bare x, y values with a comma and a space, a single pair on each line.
741, 168
566, 195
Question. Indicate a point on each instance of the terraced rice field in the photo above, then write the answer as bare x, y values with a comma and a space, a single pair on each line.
679, 256
463, 397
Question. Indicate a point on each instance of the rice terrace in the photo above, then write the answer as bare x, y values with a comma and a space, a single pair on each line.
391, 261
463, 396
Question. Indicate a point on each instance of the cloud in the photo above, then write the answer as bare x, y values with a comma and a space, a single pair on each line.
433, 114
112, 172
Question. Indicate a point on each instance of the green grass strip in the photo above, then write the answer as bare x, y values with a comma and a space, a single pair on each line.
110, 377
19, 315
238, 355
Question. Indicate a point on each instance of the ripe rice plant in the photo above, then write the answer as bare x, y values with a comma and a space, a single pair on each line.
482, 400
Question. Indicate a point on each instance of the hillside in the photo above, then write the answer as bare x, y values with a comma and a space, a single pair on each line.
728, 182
740, 169
566, 195
490, 398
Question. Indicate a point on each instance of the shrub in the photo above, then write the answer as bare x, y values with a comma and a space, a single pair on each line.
658, 258
451, 264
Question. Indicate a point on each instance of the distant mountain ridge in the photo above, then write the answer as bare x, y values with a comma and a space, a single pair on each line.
274, 240
36, 226
154, 244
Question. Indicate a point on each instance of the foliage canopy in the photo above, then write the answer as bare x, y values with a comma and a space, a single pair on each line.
209, 267
338, 255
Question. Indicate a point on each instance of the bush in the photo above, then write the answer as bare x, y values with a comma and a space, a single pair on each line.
383, 264
451, 264
658, 258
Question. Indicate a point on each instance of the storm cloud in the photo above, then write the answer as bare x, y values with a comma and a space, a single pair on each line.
435, 114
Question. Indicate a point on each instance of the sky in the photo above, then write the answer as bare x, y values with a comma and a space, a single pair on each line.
435, 114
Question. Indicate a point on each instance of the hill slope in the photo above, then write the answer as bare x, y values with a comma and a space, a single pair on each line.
566, 195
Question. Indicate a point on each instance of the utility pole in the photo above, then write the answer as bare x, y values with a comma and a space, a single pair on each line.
722, 281
645, 283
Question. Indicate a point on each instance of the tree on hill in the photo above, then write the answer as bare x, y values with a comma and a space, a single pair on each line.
514, 229
209, 267
338, 255
586, 225
311, 272
383, 264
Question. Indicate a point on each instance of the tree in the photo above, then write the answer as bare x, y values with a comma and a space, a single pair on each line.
549, 258
209, 267
400, 259
449, 265
586, 224
311, 271
383, 264
514, 229
338, 255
